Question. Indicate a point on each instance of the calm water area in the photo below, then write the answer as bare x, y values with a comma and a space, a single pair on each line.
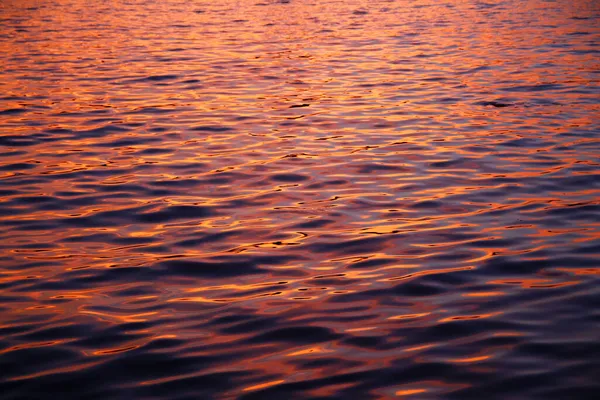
299, 199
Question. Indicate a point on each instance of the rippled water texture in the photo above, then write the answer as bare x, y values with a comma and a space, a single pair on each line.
317, 199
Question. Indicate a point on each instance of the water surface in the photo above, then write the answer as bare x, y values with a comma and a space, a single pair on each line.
317, 199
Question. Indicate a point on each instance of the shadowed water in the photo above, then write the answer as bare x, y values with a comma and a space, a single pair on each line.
319, 199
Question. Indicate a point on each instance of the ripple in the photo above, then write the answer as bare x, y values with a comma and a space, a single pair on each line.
299, 199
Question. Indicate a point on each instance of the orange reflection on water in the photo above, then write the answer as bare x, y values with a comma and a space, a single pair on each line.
292, 191
408, 392
263, 385
470, 359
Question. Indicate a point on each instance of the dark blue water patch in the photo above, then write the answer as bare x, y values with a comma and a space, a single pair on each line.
177, 183
367, 342
230, 319
418, 288
129, 142
361, 384
353, 246
103, 218
495, 243
204, 386
80, 174
578, 211
510, 266
153, 110
321, 185
57, 333
349, 298
14, 153
172, 213
262, 292
8, 192
314, 224
556, 353
27, 361
248, 327
497, 104
62, 386
426, 204
324, 362
10, 299
522, 142
296, 335
572, 182
14, 111
534, 88
450, 100
165, 344
593, 248
18, 166
100, 131
222, 178
457, 162
14, 330
155, 78
206, 238
211, 128
160, 129
380, 167
59, 131
375, 262
535, 384
107, 238
17, 141
584, 52
86, 278
475, 70
590, 90
83, 114
288, 177
110, 337
150, 366
155, 151
230, 268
